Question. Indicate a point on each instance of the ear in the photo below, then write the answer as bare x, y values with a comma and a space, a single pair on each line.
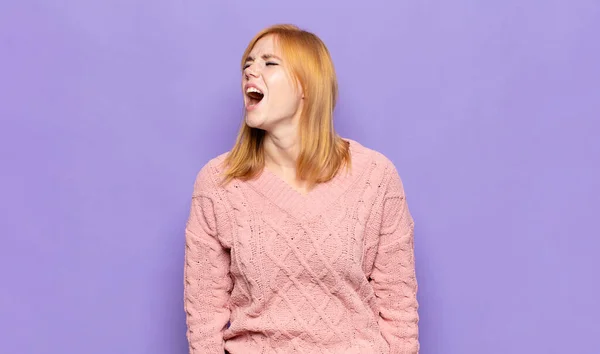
299, 88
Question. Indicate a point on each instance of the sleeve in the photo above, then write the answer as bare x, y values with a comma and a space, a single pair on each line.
207, 283
393, 276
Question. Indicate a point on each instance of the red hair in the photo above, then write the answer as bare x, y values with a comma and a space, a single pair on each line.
322, 151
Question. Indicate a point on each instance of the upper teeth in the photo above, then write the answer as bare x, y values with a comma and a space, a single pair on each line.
253, 89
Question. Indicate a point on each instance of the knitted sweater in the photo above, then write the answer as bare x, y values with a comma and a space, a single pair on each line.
331, 271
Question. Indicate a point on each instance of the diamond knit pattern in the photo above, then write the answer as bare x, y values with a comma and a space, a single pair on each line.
331, 271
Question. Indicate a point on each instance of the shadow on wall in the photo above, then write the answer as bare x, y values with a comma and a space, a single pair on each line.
347, 121
216, 134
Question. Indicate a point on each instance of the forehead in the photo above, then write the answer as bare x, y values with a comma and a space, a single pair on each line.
265, 45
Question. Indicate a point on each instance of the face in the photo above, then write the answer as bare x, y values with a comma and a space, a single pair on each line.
271, 96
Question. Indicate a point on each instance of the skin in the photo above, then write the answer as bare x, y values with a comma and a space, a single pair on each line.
278, 112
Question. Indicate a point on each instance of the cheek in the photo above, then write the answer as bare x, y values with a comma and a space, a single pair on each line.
285, 100
284, 97
280, 83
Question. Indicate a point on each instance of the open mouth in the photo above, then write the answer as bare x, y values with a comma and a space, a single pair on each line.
254, 96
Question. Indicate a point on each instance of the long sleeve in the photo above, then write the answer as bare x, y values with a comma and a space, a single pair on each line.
393, 276
207, 283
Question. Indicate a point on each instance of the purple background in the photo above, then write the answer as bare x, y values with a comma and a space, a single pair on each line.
490, 110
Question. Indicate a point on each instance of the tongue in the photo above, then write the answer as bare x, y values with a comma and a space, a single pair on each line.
255, 96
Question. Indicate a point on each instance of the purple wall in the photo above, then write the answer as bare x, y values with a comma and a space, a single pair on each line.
491, 112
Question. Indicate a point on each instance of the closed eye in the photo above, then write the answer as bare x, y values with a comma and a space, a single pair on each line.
270, 63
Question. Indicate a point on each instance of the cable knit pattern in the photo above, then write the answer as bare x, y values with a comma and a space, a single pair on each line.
331, 271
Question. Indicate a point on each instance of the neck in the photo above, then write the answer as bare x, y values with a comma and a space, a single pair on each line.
281, 148
281, 151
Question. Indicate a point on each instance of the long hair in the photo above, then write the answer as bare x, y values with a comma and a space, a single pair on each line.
322, 151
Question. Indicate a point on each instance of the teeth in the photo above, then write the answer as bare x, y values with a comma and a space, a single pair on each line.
253, 89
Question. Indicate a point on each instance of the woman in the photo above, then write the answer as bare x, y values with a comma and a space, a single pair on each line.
298, 240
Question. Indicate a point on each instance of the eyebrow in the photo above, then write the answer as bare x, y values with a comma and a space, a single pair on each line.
264, 56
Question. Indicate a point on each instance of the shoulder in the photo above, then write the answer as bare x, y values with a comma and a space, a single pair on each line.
375, 158
380, 164
208, 178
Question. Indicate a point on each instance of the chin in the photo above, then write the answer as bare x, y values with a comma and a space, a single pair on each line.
255, 121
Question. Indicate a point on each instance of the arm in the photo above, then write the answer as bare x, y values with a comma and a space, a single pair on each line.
393, 276
206, 273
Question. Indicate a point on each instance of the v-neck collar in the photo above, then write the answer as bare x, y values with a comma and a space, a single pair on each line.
321, 196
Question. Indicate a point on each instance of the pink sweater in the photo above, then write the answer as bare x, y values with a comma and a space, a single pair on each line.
327, 272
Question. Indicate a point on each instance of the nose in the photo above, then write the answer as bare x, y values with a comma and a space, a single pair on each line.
250, 71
